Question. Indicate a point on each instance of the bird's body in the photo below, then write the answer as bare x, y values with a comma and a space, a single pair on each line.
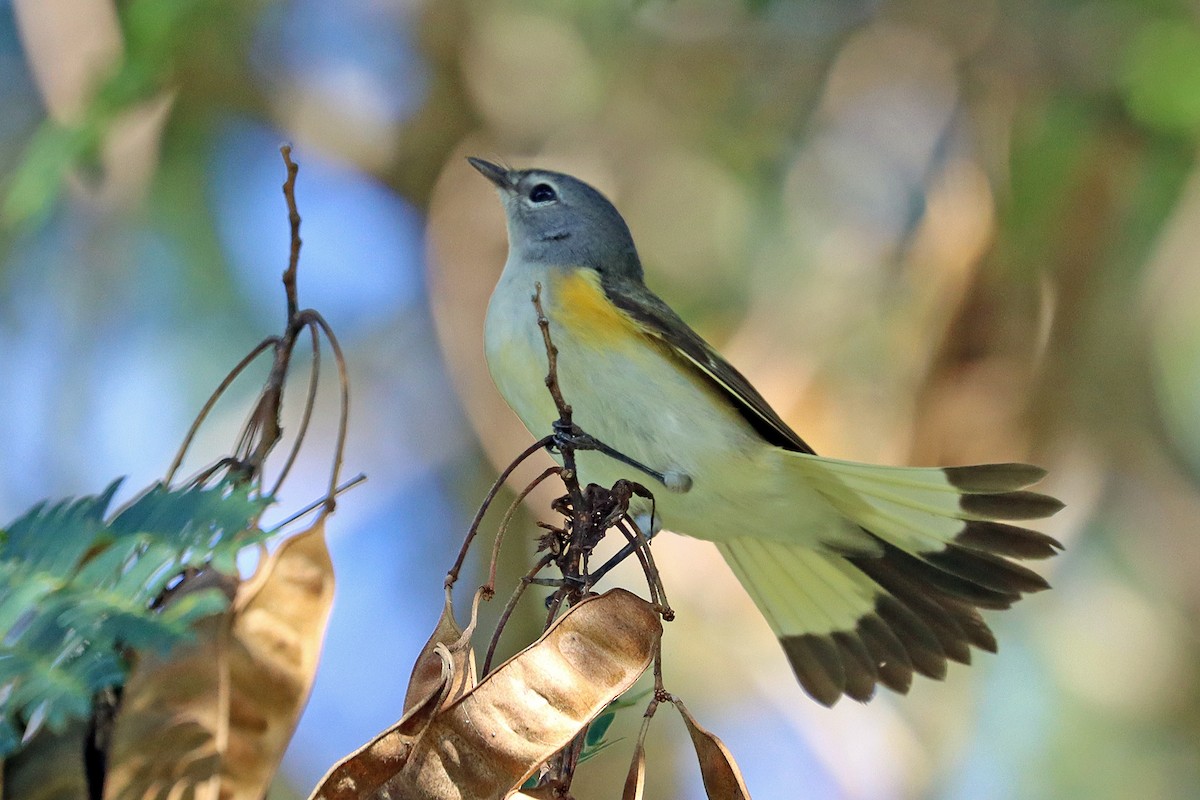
866, 573
616, 385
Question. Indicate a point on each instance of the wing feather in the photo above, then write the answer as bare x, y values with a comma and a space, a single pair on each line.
657, 320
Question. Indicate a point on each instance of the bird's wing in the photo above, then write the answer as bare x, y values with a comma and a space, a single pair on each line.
658, 320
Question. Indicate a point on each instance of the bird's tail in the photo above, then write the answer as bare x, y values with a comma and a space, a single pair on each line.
944, 549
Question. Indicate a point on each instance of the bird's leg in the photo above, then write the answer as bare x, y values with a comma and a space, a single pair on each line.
571, 435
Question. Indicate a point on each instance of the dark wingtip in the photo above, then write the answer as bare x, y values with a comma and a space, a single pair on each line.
988, 570
1007, 540
1011, 505
817, 665
986, 478
861, 670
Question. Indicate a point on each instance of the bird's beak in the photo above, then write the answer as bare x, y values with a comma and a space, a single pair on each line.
493, 172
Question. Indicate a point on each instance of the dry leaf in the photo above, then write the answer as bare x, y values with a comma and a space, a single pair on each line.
361, 773
165, 731
635, 781
427, 671
494, 737
487, 743
722, 778
444, 671
218, 714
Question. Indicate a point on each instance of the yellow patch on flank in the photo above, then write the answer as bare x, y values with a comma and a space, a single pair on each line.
578, 304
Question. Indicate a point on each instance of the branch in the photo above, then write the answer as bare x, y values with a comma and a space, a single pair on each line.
289, 194
262, 431
452, 575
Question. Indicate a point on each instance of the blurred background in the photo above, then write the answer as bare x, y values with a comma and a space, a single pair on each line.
929, 231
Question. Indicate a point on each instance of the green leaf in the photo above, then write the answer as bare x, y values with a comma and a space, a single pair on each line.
50, 537
1162, 76
158, 35
52, 151
599, 727
593, 740
77, 592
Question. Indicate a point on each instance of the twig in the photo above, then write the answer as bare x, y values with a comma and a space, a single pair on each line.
564, 422
262, 431
524, 584
207, 408
622, 554
452, 575
555, 603
508, 515
563, 407
339, 358
309, 404
660, 696
641, 545
289, 193
573, 560
313, 506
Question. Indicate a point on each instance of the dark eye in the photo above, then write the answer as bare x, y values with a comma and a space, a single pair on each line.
542, 193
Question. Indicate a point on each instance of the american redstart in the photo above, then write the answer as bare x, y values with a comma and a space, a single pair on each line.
866, 573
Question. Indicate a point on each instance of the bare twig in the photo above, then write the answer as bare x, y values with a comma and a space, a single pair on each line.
622, 554
569, 475
452, 575
641, 546
339, 358
524, 583
313, 506
207, 408
289, 193
262, 431
564, 408
508, 515
309, 403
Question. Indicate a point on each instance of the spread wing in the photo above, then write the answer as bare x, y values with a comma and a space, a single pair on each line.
658, 320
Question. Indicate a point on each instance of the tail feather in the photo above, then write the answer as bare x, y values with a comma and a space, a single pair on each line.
925, 575
978, 479
849, 621
924, 650
895, 667
988, 570
1007, 540
1008, 505
861, 669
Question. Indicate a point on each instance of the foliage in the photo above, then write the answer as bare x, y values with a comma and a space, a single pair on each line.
158, 36
77, 590
222, 709
90, 597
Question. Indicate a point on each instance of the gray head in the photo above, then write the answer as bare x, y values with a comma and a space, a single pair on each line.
557, 220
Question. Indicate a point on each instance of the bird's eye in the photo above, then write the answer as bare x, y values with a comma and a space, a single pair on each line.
542, 193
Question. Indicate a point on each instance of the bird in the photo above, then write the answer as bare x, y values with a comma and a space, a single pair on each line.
867, 574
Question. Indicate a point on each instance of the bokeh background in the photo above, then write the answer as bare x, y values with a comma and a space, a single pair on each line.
930, 231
